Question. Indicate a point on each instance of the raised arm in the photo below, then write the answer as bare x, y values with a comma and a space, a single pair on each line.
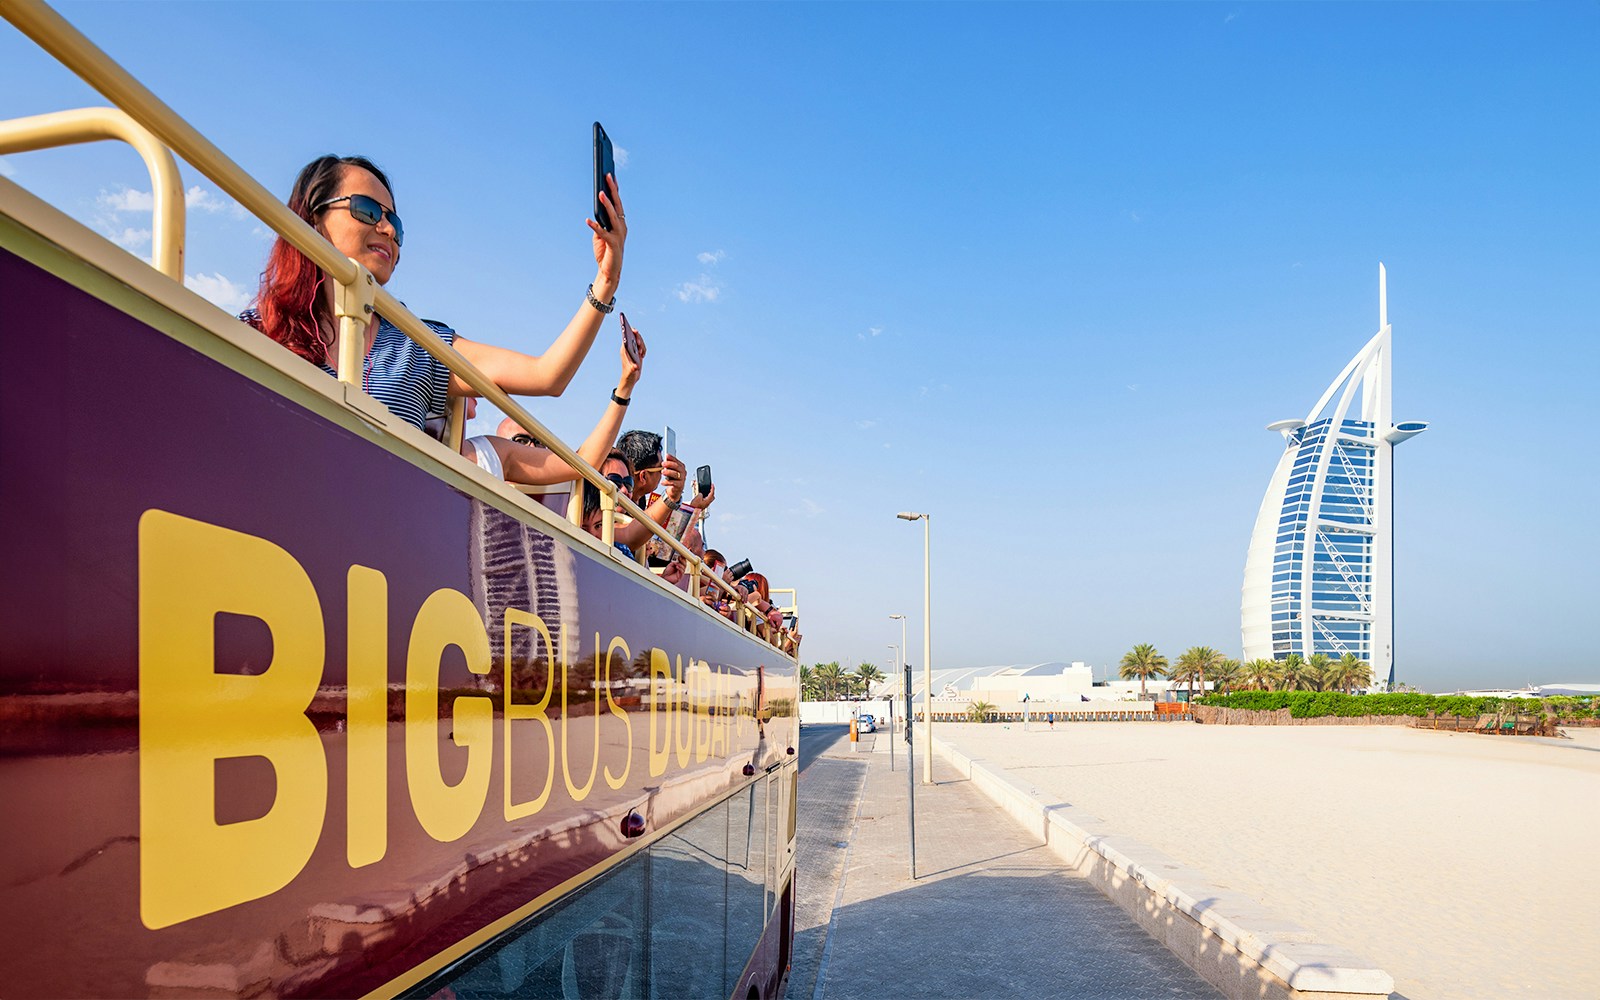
539, 466
548, 374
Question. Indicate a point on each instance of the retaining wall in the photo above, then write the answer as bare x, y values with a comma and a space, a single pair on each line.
1229, 939
833, 712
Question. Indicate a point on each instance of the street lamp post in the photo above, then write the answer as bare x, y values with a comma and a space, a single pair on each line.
911, 750
927, 640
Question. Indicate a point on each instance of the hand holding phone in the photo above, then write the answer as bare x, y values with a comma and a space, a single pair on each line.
630, 340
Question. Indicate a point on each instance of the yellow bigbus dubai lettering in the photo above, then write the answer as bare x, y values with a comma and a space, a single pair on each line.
191, 717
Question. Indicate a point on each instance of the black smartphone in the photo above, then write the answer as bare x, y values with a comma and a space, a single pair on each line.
702, 480
603, 165
630, 339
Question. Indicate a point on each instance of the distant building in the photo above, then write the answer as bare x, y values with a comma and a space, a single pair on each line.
1319, 575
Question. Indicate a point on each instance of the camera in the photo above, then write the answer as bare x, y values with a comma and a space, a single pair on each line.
740, 569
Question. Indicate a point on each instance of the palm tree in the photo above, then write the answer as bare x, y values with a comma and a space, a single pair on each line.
808, 684
1182, 672
1194, 663
1320, 669
1143, 662
1352, 673
831, 677
1258, 674
1293, 674
1226, 674
978, 711
868, 675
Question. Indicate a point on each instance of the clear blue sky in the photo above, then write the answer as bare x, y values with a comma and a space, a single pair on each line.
1043, 271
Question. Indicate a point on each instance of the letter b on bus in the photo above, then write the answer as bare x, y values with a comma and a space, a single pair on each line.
190, 717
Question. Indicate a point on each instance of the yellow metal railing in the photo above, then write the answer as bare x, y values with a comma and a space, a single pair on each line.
156, 131
66, 128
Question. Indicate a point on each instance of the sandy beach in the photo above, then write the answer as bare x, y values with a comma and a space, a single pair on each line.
1463, 865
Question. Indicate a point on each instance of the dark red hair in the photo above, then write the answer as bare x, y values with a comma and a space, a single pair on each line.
761, 585
292, 311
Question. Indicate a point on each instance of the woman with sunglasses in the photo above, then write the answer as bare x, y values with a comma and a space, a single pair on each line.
350, 202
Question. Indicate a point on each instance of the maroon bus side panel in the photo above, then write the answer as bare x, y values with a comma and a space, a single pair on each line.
103, 419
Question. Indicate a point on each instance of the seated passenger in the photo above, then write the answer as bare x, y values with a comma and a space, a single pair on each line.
593, 517
350, 202
759, 597
649, 469
712, 595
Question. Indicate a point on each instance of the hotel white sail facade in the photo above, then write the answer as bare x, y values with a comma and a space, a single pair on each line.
1319, 576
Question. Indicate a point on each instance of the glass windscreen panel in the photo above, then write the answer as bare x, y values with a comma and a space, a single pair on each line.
688, 901
747, 875
591, 944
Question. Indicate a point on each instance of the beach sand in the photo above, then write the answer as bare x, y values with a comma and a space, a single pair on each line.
1465, 866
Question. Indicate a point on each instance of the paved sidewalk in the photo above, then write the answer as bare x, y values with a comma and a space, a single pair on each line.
993, 913
830, 788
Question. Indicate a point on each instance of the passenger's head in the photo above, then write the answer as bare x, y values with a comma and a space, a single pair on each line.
643, 452
615, 468
289, 301
349, 200
715, 561
591, 509
512, 431
760, 584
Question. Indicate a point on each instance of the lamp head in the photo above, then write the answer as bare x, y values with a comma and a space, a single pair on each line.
906, 515
897, 617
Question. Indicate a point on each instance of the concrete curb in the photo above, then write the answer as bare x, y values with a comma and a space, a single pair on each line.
1226, 937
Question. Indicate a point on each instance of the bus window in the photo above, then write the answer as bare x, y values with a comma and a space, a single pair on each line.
747, 876
688, 899
775, 827
590, 944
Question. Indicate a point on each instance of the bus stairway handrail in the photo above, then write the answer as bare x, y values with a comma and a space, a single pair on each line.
357, 295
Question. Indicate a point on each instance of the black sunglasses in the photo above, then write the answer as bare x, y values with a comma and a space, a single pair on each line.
623, 483
527, 439
369, 211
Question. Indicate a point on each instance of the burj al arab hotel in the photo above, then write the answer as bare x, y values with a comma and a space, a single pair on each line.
1319, 576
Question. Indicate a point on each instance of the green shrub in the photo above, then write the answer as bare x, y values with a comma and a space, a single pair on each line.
1318, 704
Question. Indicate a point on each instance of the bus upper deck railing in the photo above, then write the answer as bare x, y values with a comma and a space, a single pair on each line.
156, 132
65, 128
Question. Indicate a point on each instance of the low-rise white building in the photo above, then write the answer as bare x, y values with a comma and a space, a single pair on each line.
1052, 686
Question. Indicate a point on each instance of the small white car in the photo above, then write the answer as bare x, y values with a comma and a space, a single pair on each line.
866, 724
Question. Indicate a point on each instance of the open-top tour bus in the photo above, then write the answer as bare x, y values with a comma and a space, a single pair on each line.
294, 700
